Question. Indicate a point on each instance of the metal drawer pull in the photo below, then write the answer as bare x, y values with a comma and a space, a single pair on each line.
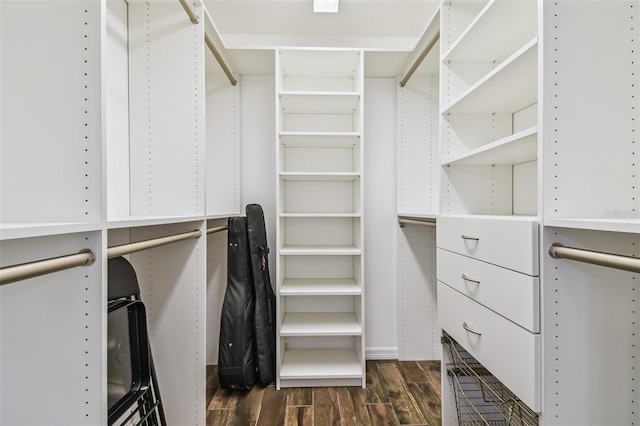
470, 330
466, 278
467, 237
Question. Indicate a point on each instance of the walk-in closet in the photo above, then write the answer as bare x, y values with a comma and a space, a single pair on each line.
451, 194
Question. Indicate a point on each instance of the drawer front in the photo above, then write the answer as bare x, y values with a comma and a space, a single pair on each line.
512, 244
508, 351
509, 293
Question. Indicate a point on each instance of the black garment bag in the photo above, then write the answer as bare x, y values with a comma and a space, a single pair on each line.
236, 365
265, 308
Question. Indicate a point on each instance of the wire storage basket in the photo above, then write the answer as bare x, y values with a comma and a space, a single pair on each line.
481, 399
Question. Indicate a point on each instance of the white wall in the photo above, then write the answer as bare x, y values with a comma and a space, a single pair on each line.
380, 218
258, 152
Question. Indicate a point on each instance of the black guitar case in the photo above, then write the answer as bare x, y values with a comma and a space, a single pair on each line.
265, 312
236, 363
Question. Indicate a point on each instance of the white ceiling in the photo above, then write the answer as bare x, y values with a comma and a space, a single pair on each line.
388, 30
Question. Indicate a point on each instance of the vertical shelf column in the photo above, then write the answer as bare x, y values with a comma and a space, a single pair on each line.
320, 259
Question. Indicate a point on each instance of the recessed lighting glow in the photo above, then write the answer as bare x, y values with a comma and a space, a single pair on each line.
324, 6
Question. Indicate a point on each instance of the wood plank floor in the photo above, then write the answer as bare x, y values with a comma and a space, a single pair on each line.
397, 393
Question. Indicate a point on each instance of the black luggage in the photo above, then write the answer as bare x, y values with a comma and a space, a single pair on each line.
236, 366
265, 299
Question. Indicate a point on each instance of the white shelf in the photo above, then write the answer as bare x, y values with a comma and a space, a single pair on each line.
508, 88
12, 231
321, 364
320, 176
319, 63
412, 215
137, 221
630, 225
321, 215
515, 149
484, 39
320, 324
224, 215
513, 218
320, 287
319, 139
319, 102
320, 250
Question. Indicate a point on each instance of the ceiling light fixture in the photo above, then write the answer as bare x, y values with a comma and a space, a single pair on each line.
324, 6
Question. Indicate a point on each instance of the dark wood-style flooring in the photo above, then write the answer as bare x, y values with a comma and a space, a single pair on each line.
397, 393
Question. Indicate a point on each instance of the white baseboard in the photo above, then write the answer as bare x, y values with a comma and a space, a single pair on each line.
381, 353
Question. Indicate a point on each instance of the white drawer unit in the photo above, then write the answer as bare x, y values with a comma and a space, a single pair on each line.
513, 295
507, 350
508, 241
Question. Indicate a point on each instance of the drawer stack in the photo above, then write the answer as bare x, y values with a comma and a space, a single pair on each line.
488, 296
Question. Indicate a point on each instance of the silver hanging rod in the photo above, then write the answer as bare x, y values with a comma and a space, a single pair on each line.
187, 8
9, 274
413, 221
420, 58
217, 229
116, 251
207, 39
218, 57
617, 261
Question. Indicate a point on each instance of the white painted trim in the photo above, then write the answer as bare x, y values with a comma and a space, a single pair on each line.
390, 352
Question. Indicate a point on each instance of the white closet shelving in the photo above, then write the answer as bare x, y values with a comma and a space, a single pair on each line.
539, 136
104, 112
489, 108
489, 198
319, 263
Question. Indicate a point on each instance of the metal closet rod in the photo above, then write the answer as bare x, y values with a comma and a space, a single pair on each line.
216, 55
194, 19
420, 58
116, 251
9, 274
413, 221
86, 257
217, 229
610, 260
192, 14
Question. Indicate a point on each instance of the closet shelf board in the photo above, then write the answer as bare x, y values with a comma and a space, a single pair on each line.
320, 324
320, 287
508, 88
612, 224
516, 218
320, 364
320, 176
518, 148
12, 231
484, 38
319, 102
321, 215
320, 250
304, 63
319, 139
